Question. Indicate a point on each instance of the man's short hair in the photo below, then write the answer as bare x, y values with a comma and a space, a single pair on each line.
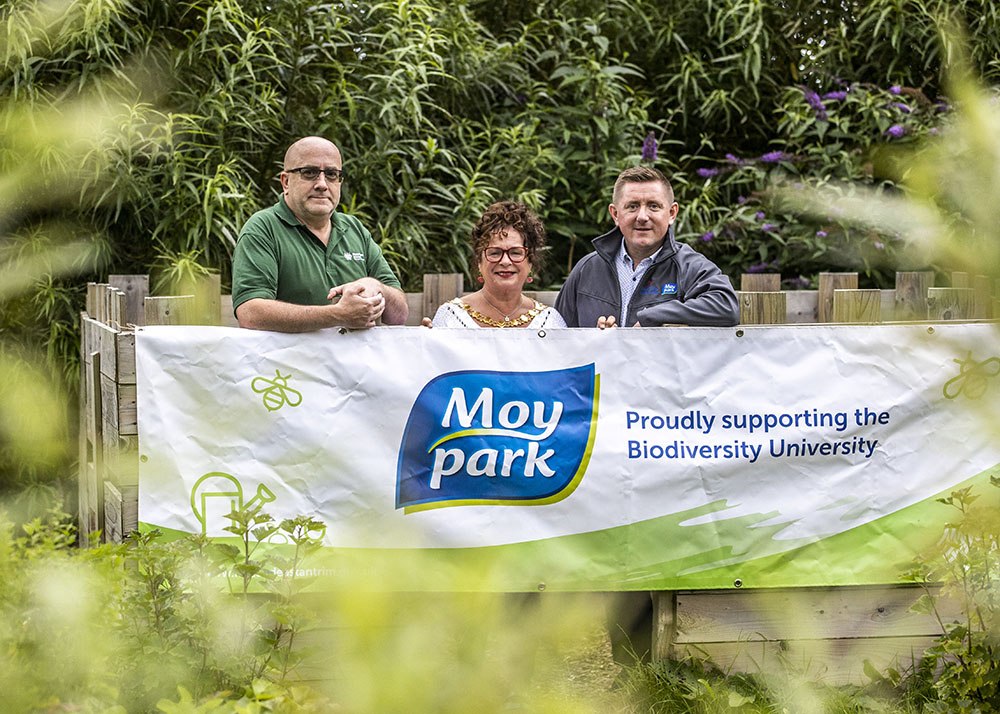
641, 174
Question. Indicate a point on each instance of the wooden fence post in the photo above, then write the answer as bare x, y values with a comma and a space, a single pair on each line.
763, 308
440, 288
911, 295
949, 303
173, 310
854, 306
828, 282
136, 288
982, 300
760, 282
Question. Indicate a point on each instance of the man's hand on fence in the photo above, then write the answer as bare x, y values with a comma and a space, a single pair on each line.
360, 306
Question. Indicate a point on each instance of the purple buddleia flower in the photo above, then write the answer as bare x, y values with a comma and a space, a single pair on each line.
821, 234
895, 89
799, 283
707, 173
767, 227
773, 157
741, 199
759, 215
735, 159
902, 107
757, 268
707, 237
649, 147
813, 100
933, 131
839, 95
879, 245
896, 130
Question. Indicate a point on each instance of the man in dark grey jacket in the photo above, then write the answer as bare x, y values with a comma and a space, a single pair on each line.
639, 275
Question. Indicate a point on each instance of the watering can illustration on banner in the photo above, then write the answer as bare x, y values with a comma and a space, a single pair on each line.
215, 494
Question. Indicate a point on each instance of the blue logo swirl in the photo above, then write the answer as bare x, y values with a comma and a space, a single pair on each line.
498, 438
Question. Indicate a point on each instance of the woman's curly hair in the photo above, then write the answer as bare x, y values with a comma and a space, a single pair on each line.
509, 214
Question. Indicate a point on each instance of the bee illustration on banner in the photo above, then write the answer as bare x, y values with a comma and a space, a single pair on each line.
276, 391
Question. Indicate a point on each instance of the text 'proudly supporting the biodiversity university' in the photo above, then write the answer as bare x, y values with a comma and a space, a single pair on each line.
809, 433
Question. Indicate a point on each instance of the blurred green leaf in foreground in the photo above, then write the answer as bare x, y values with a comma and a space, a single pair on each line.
54, 150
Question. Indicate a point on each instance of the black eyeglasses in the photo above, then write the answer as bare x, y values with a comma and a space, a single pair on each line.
495, 255
311, 173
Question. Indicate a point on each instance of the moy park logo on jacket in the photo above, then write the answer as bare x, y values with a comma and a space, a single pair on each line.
497, 438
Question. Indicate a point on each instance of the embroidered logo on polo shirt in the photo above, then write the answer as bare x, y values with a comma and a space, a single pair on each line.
353, 256
669, 289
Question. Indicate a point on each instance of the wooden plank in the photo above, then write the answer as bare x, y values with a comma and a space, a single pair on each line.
109, 304
802, 306
762, 308
226, 316
857, 306
116, 307
95, 488
130, 508
664, 624
91, 303
173, 310
208, 300
546, 297
949, 303
828, 282
100, 312
82, 452
982, 300
415, 304
112, 514
911, 295
136, 288
125, 356
439, 289
121, 456
119, 405
107, 343
833, 662
121, 513
90, 394
760, 283
806, 613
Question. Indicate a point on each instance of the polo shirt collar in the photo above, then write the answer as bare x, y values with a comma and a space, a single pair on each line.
286, 215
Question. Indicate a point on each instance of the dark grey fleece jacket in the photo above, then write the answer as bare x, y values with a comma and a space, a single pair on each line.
681, 287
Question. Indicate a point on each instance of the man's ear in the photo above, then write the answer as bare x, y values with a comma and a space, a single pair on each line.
613, 210
674, 210
284, 181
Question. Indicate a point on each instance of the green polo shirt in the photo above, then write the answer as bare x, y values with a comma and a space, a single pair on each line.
279, 258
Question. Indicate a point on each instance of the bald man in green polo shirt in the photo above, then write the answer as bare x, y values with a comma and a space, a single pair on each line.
292, 259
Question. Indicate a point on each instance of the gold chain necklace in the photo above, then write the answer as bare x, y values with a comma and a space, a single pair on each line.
506, 318
487, 320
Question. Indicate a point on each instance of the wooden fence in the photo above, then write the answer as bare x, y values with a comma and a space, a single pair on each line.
827, 632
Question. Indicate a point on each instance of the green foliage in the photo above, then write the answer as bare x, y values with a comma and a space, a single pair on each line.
442, 109
695, 686
966, 561
196, 626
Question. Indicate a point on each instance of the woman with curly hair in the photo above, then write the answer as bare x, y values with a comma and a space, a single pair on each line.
506, 244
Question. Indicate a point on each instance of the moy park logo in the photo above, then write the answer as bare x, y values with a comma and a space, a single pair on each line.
498, 438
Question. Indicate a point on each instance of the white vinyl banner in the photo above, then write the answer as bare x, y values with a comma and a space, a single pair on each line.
664, 457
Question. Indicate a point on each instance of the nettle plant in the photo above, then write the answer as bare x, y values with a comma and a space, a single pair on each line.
966, 562
152, 625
